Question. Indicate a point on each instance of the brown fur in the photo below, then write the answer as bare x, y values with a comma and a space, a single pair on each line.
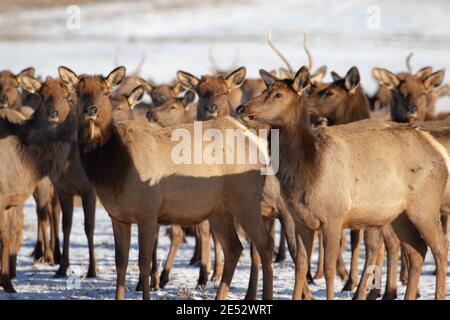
332, 151
121, 153
36, 148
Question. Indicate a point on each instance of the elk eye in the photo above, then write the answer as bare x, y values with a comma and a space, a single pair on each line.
277, 95
329, 93
173, 107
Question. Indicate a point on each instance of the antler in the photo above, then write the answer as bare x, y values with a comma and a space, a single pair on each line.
408, 62
138, 68
308, 53
215, 69
279, 54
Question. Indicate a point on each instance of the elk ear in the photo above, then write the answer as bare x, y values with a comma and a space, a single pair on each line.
116, 77
335, 76
178, 88
189, 96
27, 72
68, 76
146, 85
187, 80
386, 77
268, 78
236, 78
352, 79
434, 80
319, 74
30, 84
423, 73
301, 80
284, 73
135, 96
157, 97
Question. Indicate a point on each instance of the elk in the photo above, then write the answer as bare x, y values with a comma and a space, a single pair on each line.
130, 166
72, 182
411, 95
37, 147
10, 95
350, 154
214, 103
174, 111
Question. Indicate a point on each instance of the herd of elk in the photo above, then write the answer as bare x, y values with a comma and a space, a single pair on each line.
342, 164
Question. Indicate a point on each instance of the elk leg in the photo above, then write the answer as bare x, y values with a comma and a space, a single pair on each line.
319, 271
373, 240
281, 254
404, 266
433, 234
146, 239
392, 245
177, 235
89, 202
218, 264
308, 241
301, 268
67, 210
154, 284
54, 225
196, 257
122, 239
331, 237
414, 249
205, 246
254, 271
223, 227
5, 275
355, 243
256, 230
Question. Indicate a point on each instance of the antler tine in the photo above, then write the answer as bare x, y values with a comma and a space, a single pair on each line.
308, 53
137, 71
408, 62
279, 54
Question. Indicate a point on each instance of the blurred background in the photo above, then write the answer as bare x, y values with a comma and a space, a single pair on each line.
93, 36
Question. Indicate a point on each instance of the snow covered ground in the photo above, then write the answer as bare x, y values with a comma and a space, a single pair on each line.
178, 34
36, 281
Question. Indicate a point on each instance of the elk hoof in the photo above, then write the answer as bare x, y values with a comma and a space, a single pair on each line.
139, 286
390, 295
61, 273
8, 286
350, 285
163, 279
154, 282
373, 294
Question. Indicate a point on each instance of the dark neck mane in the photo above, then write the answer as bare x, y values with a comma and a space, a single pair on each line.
298, 149
46, 150
106, 163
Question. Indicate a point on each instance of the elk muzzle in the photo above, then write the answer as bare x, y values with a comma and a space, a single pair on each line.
3, 101
53, 116
240, 111
90, 113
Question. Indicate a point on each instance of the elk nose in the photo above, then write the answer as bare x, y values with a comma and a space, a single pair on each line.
212, 108
54, 114
151, 116
240, 110
90, 111
3, 99
413, 109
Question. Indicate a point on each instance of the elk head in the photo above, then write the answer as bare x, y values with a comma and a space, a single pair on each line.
174, 111
57, 100
123, 103
410, 94
213, 92
341, 101
10, 96
95, 111
160, 93
275, 106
